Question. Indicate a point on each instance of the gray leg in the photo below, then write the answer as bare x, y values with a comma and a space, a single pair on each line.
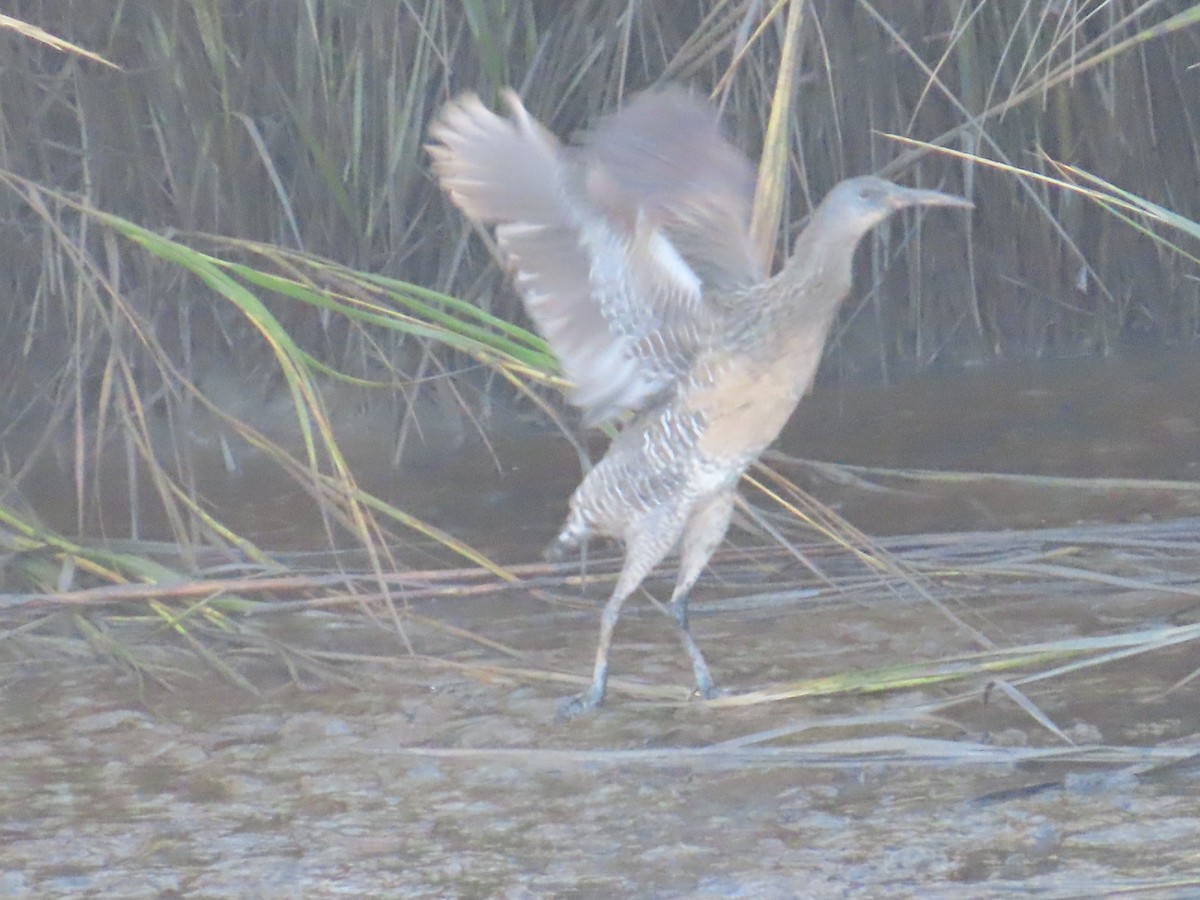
703, 533
646, 545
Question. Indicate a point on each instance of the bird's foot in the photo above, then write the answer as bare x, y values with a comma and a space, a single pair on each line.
574, 707
709, 692
705, 689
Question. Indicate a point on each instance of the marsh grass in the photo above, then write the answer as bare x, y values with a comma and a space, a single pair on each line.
192, 192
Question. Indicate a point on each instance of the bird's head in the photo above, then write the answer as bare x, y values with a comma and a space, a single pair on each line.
859, 204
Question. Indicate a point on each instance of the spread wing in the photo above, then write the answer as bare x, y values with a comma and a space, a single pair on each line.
665, 154
604, 254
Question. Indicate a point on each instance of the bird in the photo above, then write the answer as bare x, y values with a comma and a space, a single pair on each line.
632, 252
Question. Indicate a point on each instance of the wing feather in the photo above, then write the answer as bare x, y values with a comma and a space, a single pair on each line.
606, 263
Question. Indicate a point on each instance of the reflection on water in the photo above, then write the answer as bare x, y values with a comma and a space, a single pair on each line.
1136, 417
114, 786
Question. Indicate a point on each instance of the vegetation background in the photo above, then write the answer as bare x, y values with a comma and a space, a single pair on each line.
220, 229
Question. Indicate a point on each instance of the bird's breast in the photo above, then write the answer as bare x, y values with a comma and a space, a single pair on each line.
748, 399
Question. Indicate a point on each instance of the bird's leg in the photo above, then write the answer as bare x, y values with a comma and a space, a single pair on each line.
703, 533
594, 695
704, 682
646, 545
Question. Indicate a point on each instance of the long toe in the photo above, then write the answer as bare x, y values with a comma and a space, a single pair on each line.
573, 707
710, 692
705, 689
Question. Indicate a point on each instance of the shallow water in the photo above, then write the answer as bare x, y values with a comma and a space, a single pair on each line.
446, 775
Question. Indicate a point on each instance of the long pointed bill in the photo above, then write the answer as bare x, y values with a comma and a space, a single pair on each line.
901, 197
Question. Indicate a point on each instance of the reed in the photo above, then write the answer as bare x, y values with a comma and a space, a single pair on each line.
195, 195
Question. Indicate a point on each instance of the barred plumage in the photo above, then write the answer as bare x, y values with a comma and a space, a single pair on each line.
632, 252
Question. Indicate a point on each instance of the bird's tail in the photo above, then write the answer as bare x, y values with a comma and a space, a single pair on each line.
574, 533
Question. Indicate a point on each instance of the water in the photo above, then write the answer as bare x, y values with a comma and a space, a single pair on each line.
444, 775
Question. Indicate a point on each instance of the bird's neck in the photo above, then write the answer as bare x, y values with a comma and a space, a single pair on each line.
818, 274
800, 301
